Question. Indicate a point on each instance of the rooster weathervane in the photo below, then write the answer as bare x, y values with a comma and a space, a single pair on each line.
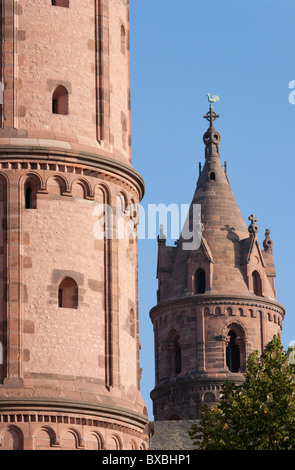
212, 100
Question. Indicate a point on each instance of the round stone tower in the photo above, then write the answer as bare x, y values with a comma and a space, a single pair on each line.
216, 298
69, 346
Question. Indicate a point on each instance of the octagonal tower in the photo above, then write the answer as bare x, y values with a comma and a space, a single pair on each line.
216, 301
69, 346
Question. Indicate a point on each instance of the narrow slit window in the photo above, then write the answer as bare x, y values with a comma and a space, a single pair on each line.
200, 281
30, 195
212, 176
257, 286
177, 356
233, 353
123, 40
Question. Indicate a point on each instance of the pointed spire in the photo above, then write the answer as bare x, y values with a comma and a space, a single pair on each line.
211, 137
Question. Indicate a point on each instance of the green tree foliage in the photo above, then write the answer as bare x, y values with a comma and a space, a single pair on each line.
257, 415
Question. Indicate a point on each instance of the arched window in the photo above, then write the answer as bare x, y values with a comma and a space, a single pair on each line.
60, 101
232, 353
61, 3
257, 286
12, 439
177, 355
200, 281
68, 293
123, 40
121, 204
30, 194
212, 176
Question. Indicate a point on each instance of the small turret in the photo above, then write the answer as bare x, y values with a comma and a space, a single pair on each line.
217, 300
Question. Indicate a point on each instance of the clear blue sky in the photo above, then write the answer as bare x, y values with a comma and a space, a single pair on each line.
244, 52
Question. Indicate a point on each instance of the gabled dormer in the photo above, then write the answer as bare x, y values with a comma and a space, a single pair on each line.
200, 270
257, 265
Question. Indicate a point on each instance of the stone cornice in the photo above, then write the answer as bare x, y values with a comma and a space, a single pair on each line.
100, 411
214, 299
198, 382
63, 155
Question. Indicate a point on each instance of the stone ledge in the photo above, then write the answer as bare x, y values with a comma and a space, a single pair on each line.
100, 411
59, 154
218, 299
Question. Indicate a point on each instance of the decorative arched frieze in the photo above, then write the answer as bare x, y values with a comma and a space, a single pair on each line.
36, 177
52, 437
61, 180
11, 438
88, 191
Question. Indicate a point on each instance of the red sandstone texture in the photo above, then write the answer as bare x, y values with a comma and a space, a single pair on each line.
216, 304
70, 374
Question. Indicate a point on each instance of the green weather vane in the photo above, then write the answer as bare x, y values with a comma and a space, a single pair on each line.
212, 100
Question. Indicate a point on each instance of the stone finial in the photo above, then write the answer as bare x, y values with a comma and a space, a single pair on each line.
211, 137
253, 229
162, 237
267, 242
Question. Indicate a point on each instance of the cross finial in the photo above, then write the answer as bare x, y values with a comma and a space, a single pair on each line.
211, 115
253, 227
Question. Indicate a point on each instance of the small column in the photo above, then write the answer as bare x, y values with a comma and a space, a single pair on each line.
200, 337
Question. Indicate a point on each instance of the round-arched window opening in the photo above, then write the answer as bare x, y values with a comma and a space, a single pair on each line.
30, 194
68, 293
233, 353
212, 176
257, 285
200, 282
60, 101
